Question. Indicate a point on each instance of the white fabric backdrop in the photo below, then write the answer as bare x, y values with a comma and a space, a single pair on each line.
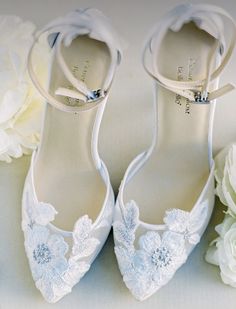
126, 130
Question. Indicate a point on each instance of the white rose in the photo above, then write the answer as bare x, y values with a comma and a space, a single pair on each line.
227, 257
20, 104
222, 251
225, 175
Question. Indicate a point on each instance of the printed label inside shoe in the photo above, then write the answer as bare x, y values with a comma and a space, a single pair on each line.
185, 73
80, 74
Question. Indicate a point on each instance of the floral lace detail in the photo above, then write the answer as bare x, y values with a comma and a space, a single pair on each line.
54, 273
41, 213
46, 253
187, 223
146, 268
125, 231
83, 245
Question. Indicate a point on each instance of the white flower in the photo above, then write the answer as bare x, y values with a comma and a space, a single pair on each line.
54, 267
20, 104
43, 213
46, 253
160, 257
54, 274
225, 175
222, 251
227, 256
153, 264
187, 223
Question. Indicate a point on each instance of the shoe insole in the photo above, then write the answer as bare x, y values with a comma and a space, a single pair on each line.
177, 170
65, 173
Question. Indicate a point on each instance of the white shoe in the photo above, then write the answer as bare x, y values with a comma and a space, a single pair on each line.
167, 195
68, 200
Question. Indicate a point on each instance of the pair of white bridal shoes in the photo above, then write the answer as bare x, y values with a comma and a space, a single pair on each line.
167, 195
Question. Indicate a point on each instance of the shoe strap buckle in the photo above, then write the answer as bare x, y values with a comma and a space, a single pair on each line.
201, 97
96, 95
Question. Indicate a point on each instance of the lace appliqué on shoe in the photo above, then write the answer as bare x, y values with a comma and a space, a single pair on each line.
187, 223
158, 256
54, 269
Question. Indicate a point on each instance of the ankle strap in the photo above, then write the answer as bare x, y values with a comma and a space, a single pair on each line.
209, 18
63, 30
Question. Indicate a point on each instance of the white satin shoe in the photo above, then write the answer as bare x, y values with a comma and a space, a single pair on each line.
167, 195
68, 200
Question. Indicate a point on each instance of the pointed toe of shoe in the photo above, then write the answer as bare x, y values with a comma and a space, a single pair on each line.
149, 256
58, 259
140, 273
53, 273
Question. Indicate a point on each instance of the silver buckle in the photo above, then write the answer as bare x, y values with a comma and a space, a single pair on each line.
96, 94
201, 97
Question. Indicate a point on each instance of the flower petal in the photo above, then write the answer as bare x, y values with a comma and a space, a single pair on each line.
220, 163
57, 245
37, 235
4, 142
174, 241
231, 166
229, 194
12, 102
177, 220
150, 241
45, 213
59, 266
225, 225
212, 256
142, 261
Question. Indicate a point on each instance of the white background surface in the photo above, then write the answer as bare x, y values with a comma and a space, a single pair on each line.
126, 130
